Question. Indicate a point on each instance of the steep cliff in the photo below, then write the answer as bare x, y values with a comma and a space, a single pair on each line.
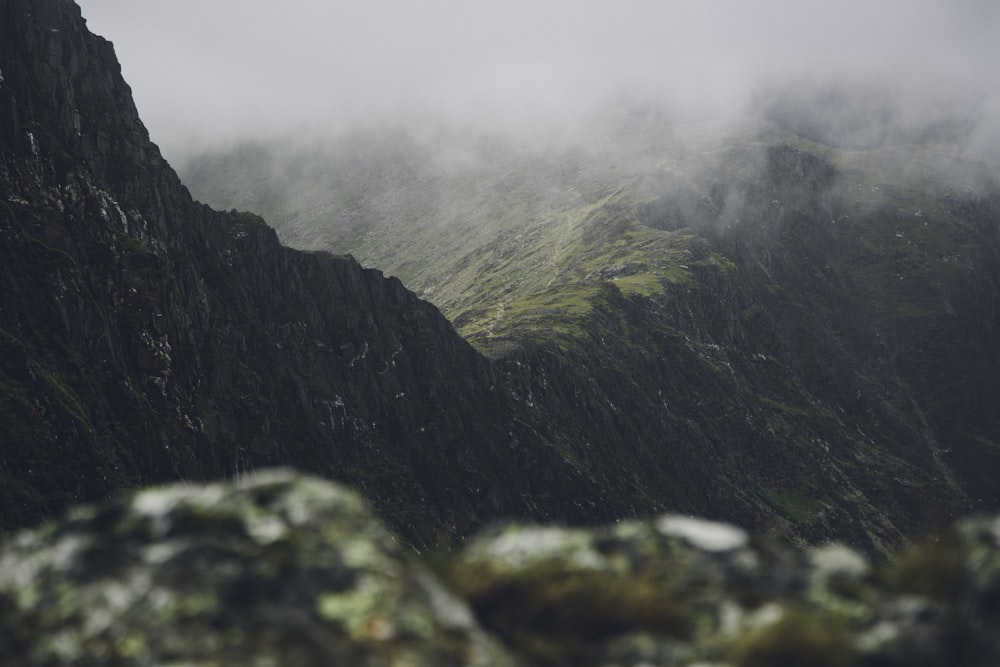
724, 319
798, 339
145, 337
771, 341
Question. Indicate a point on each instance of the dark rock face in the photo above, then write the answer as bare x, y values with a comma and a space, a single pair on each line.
281, 568
145, 337
762, 378
824, 368
763, 330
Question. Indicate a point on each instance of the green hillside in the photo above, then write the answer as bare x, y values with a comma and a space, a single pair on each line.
722, 318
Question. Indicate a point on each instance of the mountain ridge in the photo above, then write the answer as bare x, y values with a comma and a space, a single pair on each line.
802, 290
147, 337
736, 371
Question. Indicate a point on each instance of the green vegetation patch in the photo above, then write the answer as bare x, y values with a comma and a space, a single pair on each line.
556, 315
245, 222
800, 638
557, 614
789, 408
63, 394
20, 370
800, 502
934, 569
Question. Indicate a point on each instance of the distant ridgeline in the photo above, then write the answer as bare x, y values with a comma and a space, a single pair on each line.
776, 333
721, 318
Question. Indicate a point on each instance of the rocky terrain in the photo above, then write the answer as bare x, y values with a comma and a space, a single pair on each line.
764, 329
145, 337
793, 336
282, 568
741, 322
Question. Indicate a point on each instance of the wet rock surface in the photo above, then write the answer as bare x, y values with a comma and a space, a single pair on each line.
281, 568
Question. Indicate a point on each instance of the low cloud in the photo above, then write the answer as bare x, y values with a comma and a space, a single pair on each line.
209, 74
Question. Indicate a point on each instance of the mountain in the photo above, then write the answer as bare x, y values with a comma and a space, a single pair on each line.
145, 337
761, 328
743, 322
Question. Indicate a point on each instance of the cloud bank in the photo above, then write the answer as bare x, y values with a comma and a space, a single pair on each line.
212, 73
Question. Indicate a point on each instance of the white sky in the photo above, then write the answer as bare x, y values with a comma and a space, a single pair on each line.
207, 71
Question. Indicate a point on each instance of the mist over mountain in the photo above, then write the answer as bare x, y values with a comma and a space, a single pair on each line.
145, 337
208, 75
659, 266
686, 295
732, 303
753, 289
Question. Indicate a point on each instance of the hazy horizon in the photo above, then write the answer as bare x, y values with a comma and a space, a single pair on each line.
208, 75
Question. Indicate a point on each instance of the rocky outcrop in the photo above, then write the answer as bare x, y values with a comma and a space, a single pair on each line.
824, 367
277, 569
145, 337
281, 568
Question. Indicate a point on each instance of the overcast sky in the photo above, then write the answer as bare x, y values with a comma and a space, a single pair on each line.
205, 71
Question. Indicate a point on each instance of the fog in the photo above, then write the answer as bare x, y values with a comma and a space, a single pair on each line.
209, 74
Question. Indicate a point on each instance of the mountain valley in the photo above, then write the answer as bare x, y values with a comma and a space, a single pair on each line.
745, 323
736, 319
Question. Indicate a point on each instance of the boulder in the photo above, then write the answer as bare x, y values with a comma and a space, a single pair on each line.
275, 569
280, 568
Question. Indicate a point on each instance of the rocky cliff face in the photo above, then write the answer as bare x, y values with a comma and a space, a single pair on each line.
817, 362
770, 345
145, 337
757, 327
282, 568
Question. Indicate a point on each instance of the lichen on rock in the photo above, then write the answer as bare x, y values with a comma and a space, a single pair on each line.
279, 568
276, 569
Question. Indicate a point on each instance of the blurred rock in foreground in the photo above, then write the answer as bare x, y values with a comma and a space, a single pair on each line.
284, 569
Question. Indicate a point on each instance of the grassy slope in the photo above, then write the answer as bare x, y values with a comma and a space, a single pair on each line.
765, 321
